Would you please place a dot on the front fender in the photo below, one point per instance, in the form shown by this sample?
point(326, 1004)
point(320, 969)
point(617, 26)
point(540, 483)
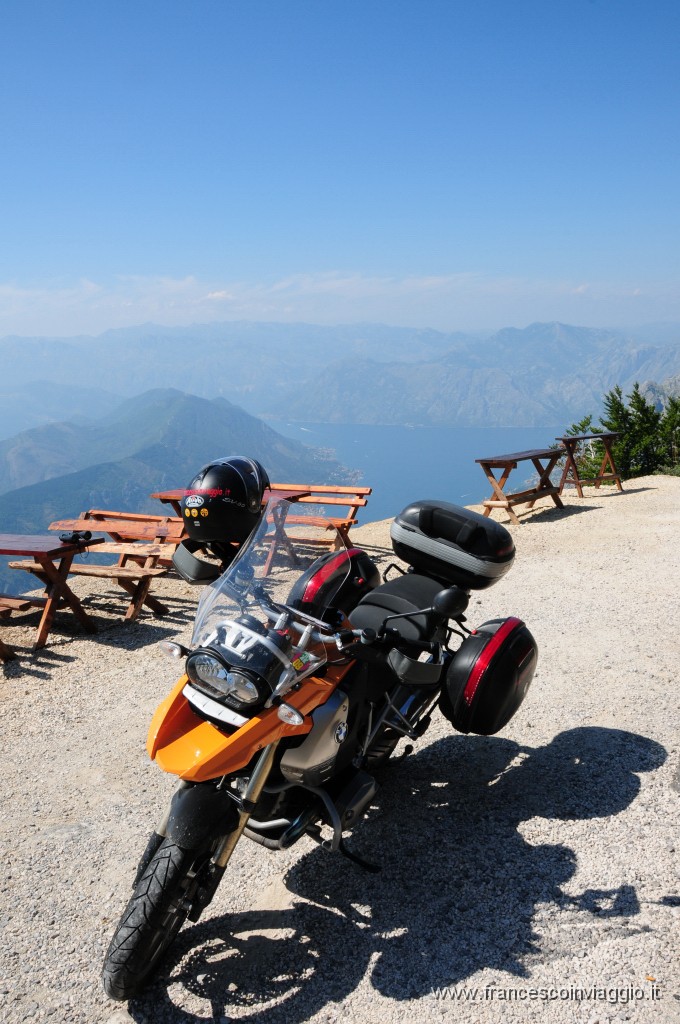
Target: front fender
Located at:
point(198, 814)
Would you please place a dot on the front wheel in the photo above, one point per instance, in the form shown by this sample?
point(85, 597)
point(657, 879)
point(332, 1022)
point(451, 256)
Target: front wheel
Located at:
point(159, 906)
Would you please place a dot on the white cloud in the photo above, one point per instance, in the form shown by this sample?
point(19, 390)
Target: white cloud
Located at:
point(448, 302)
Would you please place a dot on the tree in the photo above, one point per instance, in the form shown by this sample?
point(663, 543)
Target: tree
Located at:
point(648, 439)
point(644, 435)
point(670, 432)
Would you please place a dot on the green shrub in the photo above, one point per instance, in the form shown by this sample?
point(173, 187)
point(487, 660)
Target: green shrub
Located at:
point(648, 442)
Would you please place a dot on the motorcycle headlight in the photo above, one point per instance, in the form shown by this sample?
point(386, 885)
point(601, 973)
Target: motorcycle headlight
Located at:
point(221, 682)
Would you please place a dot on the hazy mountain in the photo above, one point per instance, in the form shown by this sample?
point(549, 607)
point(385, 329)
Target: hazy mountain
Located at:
point(656, 334)
point(253, 364)
point(543, 375)
point(37, 402)
point(672, 386)
point(156, 441)
point(368, 373)
point(659, 394)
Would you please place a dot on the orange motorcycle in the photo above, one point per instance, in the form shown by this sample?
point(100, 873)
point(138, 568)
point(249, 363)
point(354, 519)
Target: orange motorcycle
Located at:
point(303, 675)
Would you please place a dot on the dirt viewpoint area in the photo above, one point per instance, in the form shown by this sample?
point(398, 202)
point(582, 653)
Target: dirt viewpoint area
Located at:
point(532, 875)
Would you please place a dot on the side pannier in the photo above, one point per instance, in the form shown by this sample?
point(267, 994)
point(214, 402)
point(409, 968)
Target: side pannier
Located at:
point(489, 676)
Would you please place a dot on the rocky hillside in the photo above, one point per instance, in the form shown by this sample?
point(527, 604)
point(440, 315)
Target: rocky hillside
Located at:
point(158, 440)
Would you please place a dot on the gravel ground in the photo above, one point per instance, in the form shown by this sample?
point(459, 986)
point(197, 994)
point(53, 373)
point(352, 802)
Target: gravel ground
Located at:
point(534, 873)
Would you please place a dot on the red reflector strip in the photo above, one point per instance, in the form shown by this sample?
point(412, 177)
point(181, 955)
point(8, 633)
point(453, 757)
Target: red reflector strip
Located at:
point(484, 659)
point(326, 571)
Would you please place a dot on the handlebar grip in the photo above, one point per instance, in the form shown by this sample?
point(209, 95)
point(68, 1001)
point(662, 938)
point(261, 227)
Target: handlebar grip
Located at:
point(347, 637)
point(344, 637)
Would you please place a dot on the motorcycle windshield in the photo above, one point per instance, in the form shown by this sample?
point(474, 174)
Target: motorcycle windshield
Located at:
point(282, 563)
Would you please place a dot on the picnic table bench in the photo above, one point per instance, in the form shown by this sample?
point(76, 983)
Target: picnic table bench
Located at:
point(168, 530)
point(143, 543)
point(337, 506)
point(544, 461)
point(326, 499)
point(571, 474)
point(7, 606)
point(317, 497)
point(51, 562)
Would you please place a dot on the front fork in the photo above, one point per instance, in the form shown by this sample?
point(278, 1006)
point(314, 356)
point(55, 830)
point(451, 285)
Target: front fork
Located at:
point(256, 784)
point(199, 898)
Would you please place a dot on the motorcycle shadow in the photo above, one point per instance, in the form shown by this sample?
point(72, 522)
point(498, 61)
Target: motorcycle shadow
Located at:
point(458, 891)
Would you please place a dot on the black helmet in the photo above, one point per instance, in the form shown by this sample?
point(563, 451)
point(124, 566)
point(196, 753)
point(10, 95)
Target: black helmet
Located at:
point(223, 502)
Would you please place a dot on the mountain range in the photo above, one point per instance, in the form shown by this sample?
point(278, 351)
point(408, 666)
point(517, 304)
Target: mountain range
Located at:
point(156, 441)
point(539, 376)
point(71, 444)
point(364, 373)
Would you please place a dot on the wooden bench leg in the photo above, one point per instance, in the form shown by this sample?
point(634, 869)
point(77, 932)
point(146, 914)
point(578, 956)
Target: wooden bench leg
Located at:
point(140, 595)
point(511, 512)
point(279, 540)
point(497, 490)
point(58, 593)
point(6, 653)
point(140, 591)
point(544, 484)
point(337, 544)
point(570, 473)
point(608, 460)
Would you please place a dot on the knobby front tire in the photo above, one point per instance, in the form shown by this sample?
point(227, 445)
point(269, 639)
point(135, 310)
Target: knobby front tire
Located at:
point(156, 912)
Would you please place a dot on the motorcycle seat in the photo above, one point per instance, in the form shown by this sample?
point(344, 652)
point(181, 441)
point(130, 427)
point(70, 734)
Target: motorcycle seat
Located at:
point(404, 595)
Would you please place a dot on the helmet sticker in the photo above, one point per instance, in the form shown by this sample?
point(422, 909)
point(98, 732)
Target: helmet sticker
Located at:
point(194, 501)
point(210, 492)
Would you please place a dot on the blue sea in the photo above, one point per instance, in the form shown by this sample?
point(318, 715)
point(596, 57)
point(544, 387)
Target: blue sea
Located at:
point(404, 464)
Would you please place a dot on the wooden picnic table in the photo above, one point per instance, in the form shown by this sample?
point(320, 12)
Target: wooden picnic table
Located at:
point(544, 461)
point(338, 505)
point(174, 495)
point(140, 543)
point(119, 530)
point(52, 563)
point(570, 473)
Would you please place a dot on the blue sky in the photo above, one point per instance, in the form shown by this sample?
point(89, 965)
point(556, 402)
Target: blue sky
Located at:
point(437, 163)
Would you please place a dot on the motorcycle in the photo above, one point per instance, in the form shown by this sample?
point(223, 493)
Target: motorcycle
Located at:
point(303, 675)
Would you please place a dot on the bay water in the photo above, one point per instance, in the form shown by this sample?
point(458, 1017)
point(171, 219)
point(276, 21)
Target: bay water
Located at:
point(405, 464)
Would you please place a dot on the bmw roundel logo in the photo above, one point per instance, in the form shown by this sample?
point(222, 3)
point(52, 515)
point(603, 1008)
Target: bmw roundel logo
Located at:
point(341, 732)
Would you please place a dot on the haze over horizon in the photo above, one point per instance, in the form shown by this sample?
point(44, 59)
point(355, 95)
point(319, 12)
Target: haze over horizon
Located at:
point(442, 165)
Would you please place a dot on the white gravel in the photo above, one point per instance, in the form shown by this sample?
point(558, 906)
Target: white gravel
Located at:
point(536, 870)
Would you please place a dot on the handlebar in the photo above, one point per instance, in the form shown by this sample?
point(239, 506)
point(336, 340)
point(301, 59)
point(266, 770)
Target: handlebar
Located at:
point(347, 640)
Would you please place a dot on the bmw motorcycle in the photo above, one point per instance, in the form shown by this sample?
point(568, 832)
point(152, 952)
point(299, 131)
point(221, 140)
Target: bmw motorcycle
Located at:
point(303, 675)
